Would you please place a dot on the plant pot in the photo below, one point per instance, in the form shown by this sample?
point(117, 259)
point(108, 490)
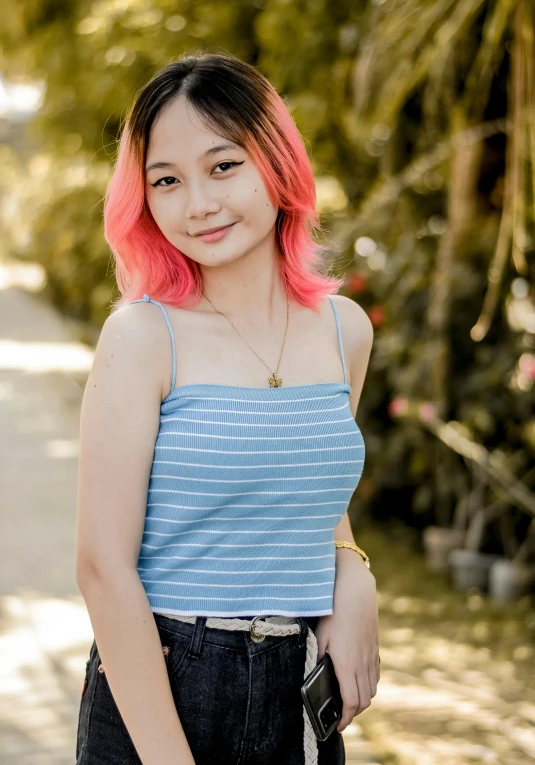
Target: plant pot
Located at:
point(509, 580)
point(438, 543)
point(470, 569)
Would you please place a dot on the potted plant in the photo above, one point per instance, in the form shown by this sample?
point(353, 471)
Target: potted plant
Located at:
point(438, 542)
point(510, 578)
point(468, 566)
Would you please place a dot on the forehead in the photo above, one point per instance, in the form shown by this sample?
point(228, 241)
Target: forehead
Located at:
point(180, 130)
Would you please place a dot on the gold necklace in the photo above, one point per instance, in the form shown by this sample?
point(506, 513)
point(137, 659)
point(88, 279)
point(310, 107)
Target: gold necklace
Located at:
point(274, 381)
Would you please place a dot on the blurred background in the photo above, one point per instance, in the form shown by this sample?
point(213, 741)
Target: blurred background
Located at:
point(419, 117)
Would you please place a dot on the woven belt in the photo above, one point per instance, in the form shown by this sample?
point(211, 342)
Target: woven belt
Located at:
point(273, 626)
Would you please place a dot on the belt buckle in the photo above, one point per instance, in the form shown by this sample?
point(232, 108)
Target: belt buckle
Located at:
point(256, 636)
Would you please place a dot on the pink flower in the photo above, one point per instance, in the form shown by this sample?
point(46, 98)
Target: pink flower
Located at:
point(356, 283)
point(427, 411)
point(398, 406)
point(526, 365)
point(377, 315)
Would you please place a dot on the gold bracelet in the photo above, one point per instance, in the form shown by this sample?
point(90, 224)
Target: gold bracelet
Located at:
point(356, 548)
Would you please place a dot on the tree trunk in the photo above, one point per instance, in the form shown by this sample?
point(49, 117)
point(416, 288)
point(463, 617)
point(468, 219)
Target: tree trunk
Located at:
point(461, 210)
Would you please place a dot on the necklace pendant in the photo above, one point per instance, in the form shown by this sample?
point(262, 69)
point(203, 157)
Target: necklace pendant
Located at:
point(275, 382)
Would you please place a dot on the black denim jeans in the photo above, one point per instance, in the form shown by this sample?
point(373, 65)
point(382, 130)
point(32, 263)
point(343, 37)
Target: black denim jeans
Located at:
point(239, 702)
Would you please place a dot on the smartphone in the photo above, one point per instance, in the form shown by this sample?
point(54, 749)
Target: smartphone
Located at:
point(322, 698)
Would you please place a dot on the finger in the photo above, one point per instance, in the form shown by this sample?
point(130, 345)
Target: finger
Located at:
point(372, 679)
point(365, 698)
point(350, 698)
point(321, 651)
point(354, 704)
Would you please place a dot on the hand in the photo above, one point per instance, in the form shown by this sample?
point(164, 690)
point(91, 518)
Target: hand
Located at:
point(350, 635)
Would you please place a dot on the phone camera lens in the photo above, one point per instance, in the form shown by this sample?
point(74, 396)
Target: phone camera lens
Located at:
point(329, 714)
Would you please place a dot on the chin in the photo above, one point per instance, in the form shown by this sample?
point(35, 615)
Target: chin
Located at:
point(224, 260)
point(215, 258)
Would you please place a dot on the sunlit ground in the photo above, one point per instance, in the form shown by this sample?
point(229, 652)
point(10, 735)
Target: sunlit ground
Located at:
point(43, 354)
point(45, 631)
point(457, 671)
point(44, 643)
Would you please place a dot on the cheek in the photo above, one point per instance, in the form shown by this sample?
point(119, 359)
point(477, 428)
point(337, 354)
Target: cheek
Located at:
point(163, 211)
point(253, 201)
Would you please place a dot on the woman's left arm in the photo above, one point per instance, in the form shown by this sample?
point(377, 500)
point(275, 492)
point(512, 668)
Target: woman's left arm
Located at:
point(351, 633)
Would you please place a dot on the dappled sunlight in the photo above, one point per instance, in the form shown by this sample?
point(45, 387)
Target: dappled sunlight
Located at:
point(449, 710)
point(45, 357)
point(27, 276)
point(38, 350)
point(44, 644)
point(412, 749)
point(457, 671)
point(62, 449)
point(38, 422)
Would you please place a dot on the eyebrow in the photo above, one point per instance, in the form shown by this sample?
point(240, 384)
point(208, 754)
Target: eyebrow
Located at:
point(207, 153)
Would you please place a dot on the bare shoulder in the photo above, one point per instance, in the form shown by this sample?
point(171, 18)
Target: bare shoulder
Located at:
point(138, 319)
point(137, 337)
point(357, 329)
point(357, 335)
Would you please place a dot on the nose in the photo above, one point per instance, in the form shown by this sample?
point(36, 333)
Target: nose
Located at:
point(200, 201)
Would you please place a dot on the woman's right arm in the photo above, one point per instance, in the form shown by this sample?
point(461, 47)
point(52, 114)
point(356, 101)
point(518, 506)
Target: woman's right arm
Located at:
point(118, 428)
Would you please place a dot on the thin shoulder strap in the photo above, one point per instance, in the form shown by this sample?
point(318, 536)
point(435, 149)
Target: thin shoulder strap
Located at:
point(147, 299)
point(338, 329)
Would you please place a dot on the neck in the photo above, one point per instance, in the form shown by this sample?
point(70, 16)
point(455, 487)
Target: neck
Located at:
point(249, 289)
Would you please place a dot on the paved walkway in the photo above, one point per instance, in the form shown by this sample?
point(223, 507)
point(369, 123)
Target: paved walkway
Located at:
point(45, 631)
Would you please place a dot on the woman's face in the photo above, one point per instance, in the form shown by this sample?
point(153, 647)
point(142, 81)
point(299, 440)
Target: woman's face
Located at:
point(199, 186)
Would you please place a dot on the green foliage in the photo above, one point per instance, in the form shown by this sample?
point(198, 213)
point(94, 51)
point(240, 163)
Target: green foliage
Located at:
point(79, 269)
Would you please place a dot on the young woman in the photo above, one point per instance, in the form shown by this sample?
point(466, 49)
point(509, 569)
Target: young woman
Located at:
point(219, 448)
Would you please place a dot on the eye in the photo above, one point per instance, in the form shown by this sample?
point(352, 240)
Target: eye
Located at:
point(230, 164)
point(172, 178)
point(167, 178)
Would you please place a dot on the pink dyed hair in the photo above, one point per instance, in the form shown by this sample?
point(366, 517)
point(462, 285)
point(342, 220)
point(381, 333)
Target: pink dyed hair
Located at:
point(235, 100)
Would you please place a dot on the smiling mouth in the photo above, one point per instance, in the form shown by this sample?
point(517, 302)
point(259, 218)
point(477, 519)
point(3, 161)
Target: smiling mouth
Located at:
point(215, 236)
point(214, 230)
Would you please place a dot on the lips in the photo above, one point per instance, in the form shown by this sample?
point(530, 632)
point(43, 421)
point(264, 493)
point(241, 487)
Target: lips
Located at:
point(213, 230)
point(216, 235)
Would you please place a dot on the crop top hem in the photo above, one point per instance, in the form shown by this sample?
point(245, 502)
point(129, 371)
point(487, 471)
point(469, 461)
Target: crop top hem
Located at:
point(236, 614)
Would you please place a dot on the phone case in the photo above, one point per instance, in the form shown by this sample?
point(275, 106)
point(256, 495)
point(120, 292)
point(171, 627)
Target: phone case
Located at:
point(322, 699)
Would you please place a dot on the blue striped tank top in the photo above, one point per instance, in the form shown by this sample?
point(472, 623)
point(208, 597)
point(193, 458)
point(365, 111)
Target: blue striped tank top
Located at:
point(246, 488)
